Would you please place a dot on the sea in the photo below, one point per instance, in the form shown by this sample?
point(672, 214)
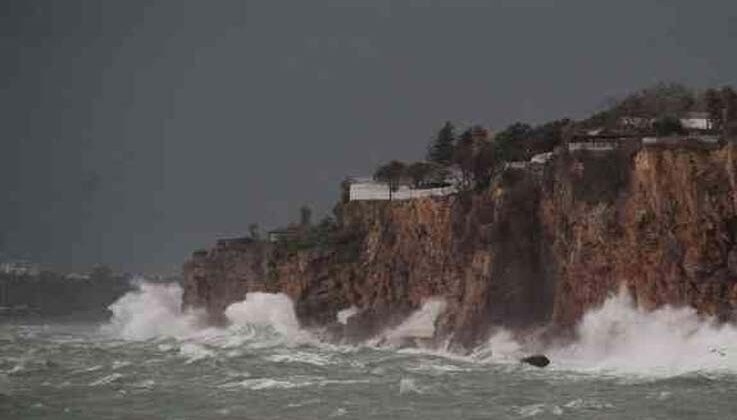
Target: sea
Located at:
point(152, 361)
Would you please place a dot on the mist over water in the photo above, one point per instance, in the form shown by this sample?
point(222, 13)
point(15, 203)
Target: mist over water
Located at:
point(151, 360)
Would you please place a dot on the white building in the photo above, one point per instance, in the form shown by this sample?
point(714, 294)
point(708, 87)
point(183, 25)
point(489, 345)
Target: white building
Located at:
point(631, 121)
point(368, 189)
point(592, 146)
point(519, 164)
point(542, 158)
point(680, 140)
point(697, 121)
point(19, 268)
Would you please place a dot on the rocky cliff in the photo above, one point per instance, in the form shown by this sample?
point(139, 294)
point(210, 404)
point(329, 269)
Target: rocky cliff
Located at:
point(536, 248)
point(665, 228)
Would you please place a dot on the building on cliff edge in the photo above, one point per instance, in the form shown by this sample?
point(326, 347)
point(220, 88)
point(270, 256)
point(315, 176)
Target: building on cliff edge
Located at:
point(368, 189)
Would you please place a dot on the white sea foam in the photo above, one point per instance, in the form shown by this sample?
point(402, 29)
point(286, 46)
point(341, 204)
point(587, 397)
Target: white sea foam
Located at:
point(105, 380)
point(409, 386)
point(154, 311)
point(533, 410)
point(294, 356)
point(421, 324)
point(273, 310)
point(500, 348)
point(619, 337)
point(194, 352)
point(268, 383)
point(151, 311)
point(344, 314)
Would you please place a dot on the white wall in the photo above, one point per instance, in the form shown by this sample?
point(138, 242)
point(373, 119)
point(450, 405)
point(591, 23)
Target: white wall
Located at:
point(592, 146)
point(696, 123)
point(380, 191)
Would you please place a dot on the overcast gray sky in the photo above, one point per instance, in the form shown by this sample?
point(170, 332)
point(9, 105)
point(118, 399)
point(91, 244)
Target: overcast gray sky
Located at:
point(136, 131)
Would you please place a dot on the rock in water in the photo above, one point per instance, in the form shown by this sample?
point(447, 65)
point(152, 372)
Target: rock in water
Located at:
point(537, 360)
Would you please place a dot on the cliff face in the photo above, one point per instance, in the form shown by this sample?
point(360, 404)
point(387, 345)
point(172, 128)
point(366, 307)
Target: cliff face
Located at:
point(536, 248)
point(668, 234)
point(215, 278)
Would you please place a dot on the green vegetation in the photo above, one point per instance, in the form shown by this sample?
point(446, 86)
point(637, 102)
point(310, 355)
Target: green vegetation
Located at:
point(721, 105)
point(324, 236)
point(474, 157)
point(640, 111)
point(393, 173)
point(441, 148)
point(668, 125)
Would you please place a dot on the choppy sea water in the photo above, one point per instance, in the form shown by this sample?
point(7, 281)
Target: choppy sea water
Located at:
point(152, 362)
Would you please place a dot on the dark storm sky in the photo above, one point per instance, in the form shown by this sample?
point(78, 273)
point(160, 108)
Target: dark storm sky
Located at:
point(133, 132)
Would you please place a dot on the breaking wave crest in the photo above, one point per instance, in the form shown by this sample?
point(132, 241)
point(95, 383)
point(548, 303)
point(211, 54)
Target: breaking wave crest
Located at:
point(620, 337)
point(155, 311)
point(151, 311)
point(617, 337)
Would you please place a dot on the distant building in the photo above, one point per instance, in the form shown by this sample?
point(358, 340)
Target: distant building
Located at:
point(697, 121)
point(284, 234)
point(541, 158)
point(243, 240)
point(593, 146)
point(635, 122)
point(20, 268)
point(703, 140)
point(517, 165)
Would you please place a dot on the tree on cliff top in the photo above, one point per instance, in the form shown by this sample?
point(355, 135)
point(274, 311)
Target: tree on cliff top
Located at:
point(729, 101)
point(254, 231)
point(639, 108)
point(714, 107)
point(512, 143)
point(441, 147)
point(668, 125)
point(424, 174)
point(463, 157)
point(485, 164)
point(392, 173)
point(305, 216)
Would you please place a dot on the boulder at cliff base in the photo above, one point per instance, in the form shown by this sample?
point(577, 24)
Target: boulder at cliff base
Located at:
point(537, 360)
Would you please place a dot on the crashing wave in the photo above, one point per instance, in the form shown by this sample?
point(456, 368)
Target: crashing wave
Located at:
point(620, 337)
point(151, 311)
point(154, 311)
point(617, 337)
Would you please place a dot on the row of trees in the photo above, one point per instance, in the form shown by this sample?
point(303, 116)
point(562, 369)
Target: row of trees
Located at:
point(423, 174)
point(473, 156)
